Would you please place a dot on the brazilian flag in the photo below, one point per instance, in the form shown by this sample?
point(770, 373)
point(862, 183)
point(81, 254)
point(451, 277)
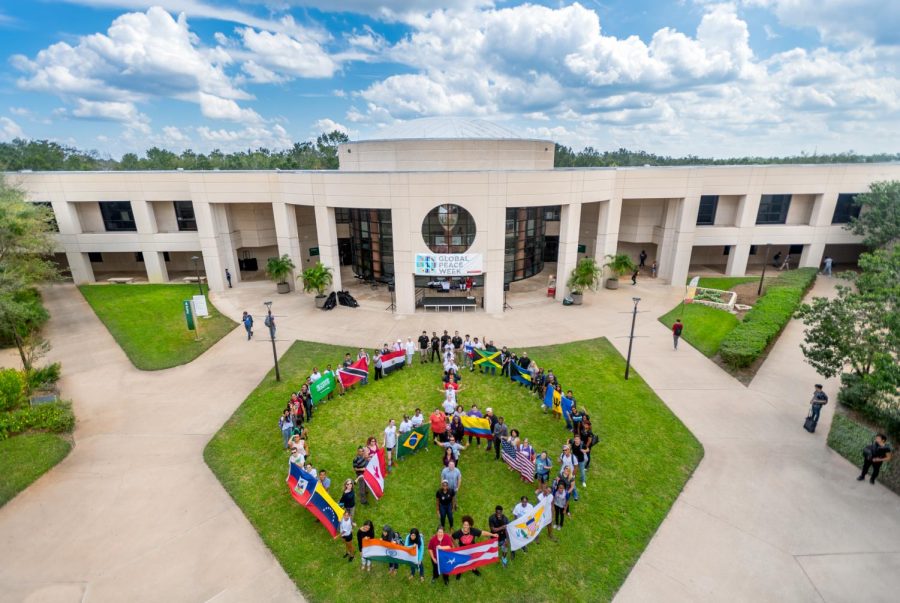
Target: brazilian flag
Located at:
point(413, 441)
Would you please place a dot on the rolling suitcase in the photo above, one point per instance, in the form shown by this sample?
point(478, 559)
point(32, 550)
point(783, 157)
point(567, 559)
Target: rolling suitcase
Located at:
point(810, 423)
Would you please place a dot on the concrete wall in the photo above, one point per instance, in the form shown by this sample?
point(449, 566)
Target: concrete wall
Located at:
point(445, 155)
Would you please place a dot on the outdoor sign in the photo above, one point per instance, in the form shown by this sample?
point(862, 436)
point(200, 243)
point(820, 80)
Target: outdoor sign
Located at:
point(691, 290)
point(313, 251)
point(582, 248)
point(200, 308)
point(448, 264)
point(189, 314)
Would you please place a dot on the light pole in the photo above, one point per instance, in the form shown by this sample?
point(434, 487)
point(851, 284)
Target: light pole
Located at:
point(763, 275)
point(196, 259)
point(631, 337)
point(270, 322)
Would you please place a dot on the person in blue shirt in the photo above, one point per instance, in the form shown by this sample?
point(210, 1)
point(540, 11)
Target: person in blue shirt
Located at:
point(415, 539)
point(248, 324)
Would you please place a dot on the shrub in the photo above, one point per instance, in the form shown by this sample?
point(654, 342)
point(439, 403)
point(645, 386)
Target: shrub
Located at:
point(57, 418)
point(12, 389)
point(43, 376)
point(763, 323)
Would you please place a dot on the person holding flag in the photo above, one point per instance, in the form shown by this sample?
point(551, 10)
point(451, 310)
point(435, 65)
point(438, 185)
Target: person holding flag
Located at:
point(440, 541)
point(468, 556)
point(414, 540)
point(497, 524)
point(346, 534)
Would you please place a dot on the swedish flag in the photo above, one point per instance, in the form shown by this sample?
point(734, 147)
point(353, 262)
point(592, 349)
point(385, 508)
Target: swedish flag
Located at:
point(413, 441)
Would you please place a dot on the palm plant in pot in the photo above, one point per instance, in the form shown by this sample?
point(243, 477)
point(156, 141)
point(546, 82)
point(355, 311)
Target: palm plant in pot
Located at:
point(317, 278)
point(620, 265)
point(278, 270)
point(585, 275)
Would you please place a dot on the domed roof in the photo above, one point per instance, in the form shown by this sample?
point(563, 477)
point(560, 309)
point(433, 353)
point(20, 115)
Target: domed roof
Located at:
point(445, 128)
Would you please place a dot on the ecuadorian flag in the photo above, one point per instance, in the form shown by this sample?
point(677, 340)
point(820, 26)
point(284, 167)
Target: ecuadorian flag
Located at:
point(478, 427)
point(309, 492)
point(517, 373)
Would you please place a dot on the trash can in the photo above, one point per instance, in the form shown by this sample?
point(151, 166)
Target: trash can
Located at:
point(551, 291)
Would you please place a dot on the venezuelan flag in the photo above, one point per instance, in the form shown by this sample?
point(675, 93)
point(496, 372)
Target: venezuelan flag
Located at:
point(478, 427)
point(309, 492)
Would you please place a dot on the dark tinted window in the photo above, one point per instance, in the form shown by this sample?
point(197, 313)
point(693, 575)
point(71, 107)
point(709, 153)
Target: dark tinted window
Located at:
point(342, 215)
point(845, 209)
point(551, 214)
point(773, 209)
point(795, 250)
point(138, 256)
point(95, 257)
point(525, 241)
point(706, 216)
point(372, 244)
point(448, 228)
point(117, 216)
point(184, 215)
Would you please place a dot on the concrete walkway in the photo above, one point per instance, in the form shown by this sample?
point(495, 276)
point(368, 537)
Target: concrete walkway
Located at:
point(133, 513)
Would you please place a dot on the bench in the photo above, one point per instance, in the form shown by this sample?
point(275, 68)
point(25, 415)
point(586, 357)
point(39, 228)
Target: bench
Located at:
point(121, 280)
point(451, 303)
point(193, 279)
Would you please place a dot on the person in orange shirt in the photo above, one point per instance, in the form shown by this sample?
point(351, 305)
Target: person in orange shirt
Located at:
point(438, 425)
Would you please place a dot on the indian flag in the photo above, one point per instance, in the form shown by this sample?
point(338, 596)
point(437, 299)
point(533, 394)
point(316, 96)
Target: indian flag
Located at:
point(375, 549)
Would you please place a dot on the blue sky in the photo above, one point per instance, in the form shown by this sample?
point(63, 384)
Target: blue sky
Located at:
point(768, 77)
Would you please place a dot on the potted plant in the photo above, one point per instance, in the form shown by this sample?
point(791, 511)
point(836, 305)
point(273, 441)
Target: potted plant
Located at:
point(585, 275)
point(278, 270)
point(620, 265)
point(317, 278)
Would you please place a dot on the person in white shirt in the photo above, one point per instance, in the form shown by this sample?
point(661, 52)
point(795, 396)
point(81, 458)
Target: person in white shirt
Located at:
point(315, 376)
point(410, 350)
point(543, 493)
point(390, 442)
point(449, 403)
point(523, 508)
point(405, 425)
point(417, 419)
point(567, 459)
point(398, 346)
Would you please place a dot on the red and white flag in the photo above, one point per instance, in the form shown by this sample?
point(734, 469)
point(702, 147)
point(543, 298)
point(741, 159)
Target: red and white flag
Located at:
point(374, 474)
point(354, 373)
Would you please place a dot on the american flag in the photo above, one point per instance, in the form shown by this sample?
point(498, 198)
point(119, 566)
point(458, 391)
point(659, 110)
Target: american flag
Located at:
point(517, 460)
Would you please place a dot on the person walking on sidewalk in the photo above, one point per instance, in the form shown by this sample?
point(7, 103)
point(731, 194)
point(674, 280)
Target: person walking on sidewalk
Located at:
point(677, 328)
point(874, 455)
point(819, 399)
point(634, 276)
point(248, 324)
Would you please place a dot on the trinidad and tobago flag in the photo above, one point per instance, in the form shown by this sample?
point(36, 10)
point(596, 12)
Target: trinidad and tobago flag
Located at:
point(354, 373)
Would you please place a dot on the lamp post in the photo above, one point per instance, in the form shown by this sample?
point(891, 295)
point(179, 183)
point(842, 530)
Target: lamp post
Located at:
point(631, 337)
point(763, 275)
point(196, 259)
point(270, 322)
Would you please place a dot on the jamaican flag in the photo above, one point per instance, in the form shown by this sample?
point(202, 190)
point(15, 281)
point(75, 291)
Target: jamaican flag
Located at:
point(486, 359)
point(413, 441)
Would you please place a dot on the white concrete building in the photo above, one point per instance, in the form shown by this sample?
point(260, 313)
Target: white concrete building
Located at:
point(460, 187)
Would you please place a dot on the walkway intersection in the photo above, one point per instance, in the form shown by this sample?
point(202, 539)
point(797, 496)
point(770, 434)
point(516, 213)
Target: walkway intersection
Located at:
point(771, 514)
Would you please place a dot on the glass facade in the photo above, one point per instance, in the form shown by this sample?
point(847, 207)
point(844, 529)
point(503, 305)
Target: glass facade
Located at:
point(117, 216)
point(773, 209)
point(372, 244)
point(706, 215)
point(525, 241)
point(845, 209)
point(184, 215)
point(448, 228)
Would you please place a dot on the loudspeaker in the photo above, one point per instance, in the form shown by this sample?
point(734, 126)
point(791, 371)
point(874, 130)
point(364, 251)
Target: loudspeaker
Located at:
point(506, 286)
point(391, 287)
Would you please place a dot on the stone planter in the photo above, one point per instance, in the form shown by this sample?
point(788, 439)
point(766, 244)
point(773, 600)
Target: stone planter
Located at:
point(320, 301)
point(284, 287)
point(577, 298)
point(612, 283)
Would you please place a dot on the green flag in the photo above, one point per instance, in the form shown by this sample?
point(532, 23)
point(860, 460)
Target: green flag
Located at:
point(413, 441)
point(322, 387)
point(486, 359)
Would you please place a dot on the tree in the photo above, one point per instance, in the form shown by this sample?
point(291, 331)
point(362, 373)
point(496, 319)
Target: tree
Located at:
point(26, 244)
point(879, 218)
point(327, 146)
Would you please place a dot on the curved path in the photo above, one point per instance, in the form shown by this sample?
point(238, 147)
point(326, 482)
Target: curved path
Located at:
point(133, 513)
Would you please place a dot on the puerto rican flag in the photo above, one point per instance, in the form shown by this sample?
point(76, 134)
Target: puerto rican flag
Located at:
point(464, 558)
point(374, 474)
point(357, 371)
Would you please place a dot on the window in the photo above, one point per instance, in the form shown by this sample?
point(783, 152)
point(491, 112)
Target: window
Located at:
point(551, 214)
point(845, 209)
point(753, 250)
point(726, 250)
point(184, 215)
point(166, 256)
point(51, 217)
point(524, 249)
point(448, 229)
point(773, 209)
point(342, 215)
point(95, 257)
point(117, 216)
point(706, 216)
point(372, 244)
point(795, 250)
point(139, 256)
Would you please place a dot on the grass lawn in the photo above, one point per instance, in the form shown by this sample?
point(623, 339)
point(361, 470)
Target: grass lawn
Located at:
point(724, 283)
point(26, 457)
point(148, 322)
point(640, 466)
point(704, 327)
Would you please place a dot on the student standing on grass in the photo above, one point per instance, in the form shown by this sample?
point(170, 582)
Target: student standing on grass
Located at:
point(457, 347)
point(560, 500)
point(388, 535)
point(417, 419)
point(405, 425)
point(497, 524)
point(286, 425)
point(501, 432)
point(455, 446)
point(377, 358)
point(415, 539)
point(521, 510)
point(348, 498)
point(467, 535)
point(677, 328)
point(248, 324)
point(410, 348)
point(359, 356)
point(424, 342)
point(474, 412)
point(444, 501)
point(453, 477)
point(440, 540)
point(366, 530)
point(435, 346)
point(542, 467)
point(542, 493)
point(489, 414)
point(346, 534)
point(876, 453)
point(438, 425)
point(360, 462)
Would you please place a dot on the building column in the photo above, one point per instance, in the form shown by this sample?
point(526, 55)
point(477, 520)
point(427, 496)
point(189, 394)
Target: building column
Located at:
point(155, 264)
point(215, 244)
point(494, 265)
point(326, 233)
point(811, 256)
point(66, 215)
point(80, 267)
point(674, 252)
point(607, 241)
point(823, 209)
point(569, 228)
point(287, 237)
point(737, 260)
point(144, 218)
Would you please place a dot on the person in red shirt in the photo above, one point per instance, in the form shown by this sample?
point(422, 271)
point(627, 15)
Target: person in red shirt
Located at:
point(677, 328)
point(438, 424)
point(441, 540)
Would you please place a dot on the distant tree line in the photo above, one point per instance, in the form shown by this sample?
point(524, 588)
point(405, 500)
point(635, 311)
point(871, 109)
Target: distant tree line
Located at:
point(45, 155)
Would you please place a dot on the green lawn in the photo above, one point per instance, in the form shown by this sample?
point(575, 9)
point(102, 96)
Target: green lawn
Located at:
point(724, 283)
point(26, 457)
point(644, 459)
point(148, 322)
point(704, 327)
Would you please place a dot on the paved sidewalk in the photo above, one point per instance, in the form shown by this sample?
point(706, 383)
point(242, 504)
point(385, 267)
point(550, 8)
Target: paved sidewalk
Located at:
point(771, 514)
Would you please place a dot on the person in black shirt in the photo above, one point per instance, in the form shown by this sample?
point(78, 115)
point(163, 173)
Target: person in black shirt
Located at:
point(643, 258)
point(360, 461)
point(578, 451)
point(873, 455)
point(435, 346)
point(444, 497)
point(524, 361)
point(457, 346)
point(505, 359)
point(445, 338)
point(497, 523)
point(424, 341)
point(819, 399)
point(467, 535)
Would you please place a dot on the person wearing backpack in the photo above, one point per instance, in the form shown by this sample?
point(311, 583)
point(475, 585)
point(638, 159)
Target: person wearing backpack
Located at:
point(677, 328)
point(876, 453)
point(248, 324)
point(819, 399)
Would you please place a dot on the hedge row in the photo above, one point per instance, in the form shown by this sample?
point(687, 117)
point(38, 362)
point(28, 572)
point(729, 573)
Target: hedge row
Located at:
point(56, 417)
point(763, 323)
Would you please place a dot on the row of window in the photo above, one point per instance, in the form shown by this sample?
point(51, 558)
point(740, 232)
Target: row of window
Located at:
point(95, 257)
point(773, 209)
point(792, 250)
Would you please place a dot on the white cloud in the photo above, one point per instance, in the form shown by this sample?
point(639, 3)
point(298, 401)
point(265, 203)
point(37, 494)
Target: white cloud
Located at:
point(20, 111)
point(175, 136)
point(275, 137)
point(328, 125)
point(300, 55)
point(10, 129)
point(106, 111)
point(216, 107)
point(843, 21)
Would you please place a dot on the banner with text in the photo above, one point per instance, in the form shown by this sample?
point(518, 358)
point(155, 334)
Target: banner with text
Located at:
point(449, 264)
